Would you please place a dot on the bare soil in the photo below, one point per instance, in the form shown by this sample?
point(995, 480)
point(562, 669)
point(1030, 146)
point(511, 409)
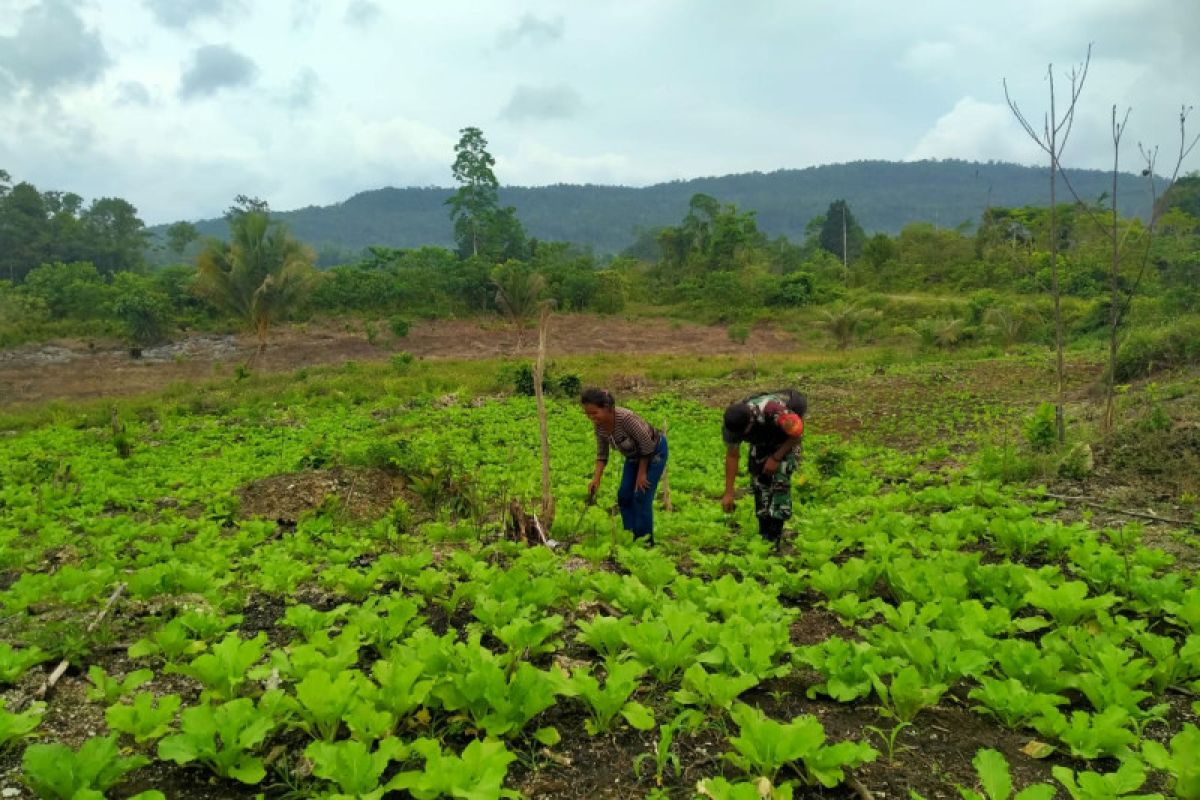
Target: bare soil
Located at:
point(79, 370)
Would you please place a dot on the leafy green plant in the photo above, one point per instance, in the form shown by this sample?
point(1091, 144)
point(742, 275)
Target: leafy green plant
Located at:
point(1106, 733)
point(605, 704)
point(711, 691)
point(764, 746)
point(1040, 430)
point(498, 702)
point(323, 699)
point(223, 670)
point(223, 738)
point(846, 667)
point(670, 641)
point(1067, 603)
point(14, 663)
point(605, 635)
point(402, 684)
point(1181, 761)
point(172, 641)
point(761, 789)
point(15, 726)
point(996, 780)
point(477, 774)
point(1128, 778)
point(662, 755)
point(1012, 702)
point(56, 772)
point(147, 717)
point(907, 695)
point(354, 766)
point(108, 690)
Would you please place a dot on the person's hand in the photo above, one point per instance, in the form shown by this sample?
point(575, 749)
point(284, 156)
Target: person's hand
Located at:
point(593, 487)
point(727, 502)
point(642, 483)
point(770, 465)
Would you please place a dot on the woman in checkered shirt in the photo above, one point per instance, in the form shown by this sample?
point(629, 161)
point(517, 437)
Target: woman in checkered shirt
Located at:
point(645, 451)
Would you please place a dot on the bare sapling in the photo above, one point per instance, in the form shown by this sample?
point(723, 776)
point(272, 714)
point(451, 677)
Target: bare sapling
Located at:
point(1052, 139)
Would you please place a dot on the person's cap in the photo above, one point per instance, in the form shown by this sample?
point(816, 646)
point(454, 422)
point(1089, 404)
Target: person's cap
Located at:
point(737, 417)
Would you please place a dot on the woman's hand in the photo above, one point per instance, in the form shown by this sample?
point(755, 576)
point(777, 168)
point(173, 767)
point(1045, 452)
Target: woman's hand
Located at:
point(642, 483)
point(593, 487)
point(770, 465)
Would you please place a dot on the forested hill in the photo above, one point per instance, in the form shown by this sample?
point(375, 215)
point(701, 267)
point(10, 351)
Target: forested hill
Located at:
point(883, 195)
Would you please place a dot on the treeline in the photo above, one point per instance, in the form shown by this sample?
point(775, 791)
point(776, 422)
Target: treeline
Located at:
point(886, 196)
point(75, 269)
point(39, 227)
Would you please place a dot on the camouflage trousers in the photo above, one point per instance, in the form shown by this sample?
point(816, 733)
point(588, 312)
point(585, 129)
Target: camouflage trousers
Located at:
point(772, 493)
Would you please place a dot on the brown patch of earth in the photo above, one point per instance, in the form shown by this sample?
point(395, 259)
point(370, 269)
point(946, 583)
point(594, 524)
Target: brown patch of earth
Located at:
point(361, 493)
point(82, 370)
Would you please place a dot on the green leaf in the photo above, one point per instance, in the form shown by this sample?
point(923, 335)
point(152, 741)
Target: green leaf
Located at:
point(548, 736)
point(638, 716)
point(993, 774)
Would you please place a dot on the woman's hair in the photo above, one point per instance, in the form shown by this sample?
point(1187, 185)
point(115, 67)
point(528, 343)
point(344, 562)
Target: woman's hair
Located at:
point(601, 398)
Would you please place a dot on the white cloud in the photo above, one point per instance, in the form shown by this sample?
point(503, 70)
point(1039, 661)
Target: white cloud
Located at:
point(976, 131)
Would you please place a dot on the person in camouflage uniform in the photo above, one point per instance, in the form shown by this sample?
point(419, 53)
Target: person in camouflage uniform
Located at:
point(773, 425)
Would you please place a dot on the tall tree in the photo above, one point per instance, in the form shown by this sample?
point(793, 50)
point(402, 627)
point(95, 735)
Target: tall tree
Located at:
point(481, 226)
point(117, 237)
point(841, 234)
point(180, 235)
point(260, 276)
point(24, 231)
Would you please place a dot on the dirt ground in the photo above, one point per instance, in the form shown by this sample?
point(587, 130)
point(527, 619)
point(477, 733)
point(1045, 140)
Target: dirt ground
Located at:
point(79, 370)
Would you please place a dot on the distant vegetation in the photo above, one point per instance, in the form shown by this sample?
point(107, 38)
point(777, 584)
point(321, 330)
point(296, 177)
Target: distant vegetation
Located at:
point(885, 195)
point(73, 270)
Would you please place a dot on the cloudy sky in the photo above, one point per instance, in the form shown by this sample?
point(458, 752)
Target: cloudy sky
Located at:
point(178, 105)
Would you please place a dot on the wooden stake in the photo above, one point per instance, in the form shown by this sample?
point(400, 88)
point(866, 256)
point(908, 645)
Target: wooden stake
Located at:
point(58, 672)
point(539, 371)
point(666, 477)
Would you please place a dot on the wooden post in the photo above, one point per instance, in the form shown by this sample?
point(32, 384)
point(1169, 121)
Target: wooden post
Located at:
point(539, 371)
point(666, 477)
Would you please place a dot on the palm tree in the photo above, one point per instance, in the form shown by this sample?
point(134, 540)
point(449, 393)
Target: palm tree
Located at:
point(259, 276)
point(518, 290)
point(844, 321)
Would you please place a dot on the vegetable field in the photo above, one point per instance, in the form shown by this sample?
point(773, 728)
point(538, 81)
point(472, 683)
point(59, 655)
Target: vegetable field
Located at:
point(924, 632)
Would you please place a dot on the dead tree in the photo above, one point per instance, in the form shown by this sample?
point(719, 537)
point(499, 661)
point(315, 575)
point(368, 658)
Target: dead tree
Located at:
point(1119, 303)
point(1052, 140)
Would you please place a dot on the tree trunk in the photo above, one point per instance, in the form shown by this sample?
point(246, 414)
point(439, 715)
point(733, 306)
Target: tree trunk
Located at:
point(1114, 311)
point(1059, 423)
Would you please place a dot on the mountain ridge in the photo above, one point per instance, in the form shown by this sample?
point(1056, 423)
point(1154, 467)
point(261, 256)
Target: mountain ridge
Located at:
point(883, 195)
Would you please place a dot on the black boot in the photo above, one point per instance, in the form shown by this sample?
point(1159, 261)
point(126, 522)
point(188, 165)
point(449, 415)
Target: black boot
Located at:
point(771, 529)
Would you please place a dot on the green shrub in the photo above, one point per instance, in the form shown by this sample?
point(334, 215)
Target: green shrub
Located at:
point(793, 289)
point(144, 311)
point(520, 377)
point(1149, 350)
point(1040, 429)
point(399, 327)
